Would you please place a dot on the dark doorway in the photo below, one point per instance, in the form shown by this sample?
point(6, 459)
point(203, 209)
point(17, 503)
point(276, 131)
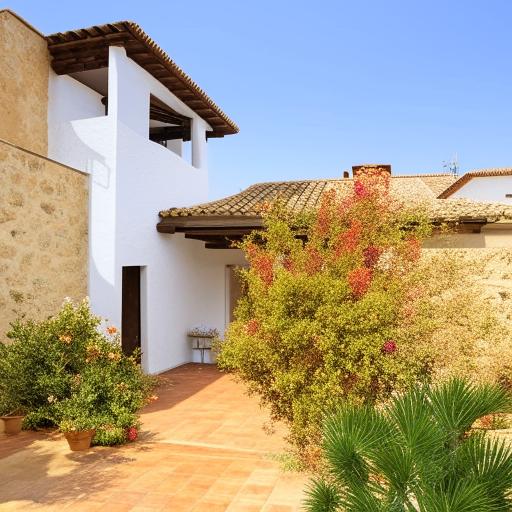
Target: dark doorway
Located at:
point(130, 329)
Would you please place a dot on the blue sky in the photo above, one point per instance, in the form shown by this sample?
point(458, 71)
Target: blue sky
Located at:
point(317, 87)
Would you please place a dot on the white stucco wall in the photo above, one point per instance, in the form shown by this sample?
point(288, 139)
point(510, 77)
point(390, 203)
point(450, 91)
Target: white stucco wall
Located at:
point(486, 189)
point(132, 178)
point(70, 102)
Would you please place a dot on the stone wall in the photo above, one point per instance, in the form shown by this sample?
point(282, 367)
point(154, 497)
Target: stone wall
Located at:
point(43, 235)
point(491, 268)
point(24, 65)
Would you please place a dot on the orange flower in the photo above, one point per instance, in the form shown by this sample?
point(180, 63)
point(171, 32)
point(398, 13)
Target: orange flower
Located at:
point(114, 356)
point(112, 329)
point(65, 338)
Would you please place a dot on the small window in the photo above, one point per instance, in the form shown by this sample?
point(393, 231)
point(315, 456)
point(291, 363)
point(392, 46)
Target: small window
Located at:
point(508, 195)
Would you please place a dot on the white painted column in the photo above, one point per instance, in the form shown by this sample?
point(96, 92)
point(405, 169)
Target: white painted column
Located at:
point(199, 160)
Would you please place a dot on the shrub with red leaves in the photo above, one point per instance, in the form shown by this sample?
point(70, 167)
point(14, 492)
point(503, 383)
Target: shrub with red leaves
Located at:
point(325, 295)
point(359, 281)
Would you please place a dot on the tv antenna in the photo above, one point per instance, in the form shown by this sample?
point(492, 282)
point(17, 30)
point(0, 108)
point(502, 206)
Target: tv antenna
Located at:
point(452, 166)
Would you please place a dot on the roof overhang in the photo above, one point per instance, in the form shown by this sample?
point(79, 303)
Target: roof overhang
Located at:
point(87, 49)
point(218, 232)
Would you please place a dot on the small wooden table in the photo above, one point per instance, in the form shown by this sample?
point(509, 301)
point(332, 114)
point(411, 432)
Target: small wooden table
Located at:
point(201, 343)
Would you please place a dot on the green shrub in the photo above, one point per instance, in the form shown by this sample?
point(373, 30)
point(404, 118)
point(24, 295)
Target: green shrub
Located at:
point(416, 454)
point(326, 301)
point(67, 371)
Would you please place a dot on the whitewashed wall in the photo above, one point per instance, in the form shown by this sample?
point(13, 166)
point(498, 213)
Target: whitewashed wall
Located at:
point(487, 188)
point(132, 179)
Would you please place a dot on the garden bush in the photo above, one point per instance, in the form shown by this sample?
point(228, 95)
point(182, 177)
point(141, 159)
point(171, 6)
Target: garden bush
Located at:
point(418, 453)
point(67, 371)
point(327, 298)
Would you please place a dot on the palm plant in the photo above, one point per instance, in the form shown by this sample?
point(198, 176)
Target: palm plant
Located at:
point(418, 453)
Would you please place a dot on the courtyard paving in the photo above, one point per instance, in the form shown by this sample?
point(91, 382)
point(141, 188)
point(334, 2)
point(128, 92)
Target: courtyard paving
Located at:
point(203, 447)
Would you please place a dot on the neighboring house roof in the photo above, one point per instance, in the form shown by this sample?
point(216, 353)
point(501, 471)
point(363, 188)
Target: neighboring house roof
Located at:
point(500, 171)
point(87, 48)
point(232, 217)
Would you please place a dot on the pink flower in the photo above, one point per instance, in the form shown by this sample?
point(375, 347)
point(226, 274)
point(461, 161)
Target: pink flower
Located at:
point(389, 347)
point(359, 281)
point(132, 433)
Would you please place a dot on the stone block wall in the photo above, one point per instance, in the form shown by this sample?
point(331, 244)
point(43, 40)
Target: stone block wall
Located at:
point(43, 235)
point(24, 64)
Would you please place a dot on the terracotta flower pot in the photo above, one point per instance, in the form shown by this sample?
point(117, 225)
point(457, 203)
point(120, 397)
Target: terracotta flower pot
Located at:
point(12, 424)
point(79, 441)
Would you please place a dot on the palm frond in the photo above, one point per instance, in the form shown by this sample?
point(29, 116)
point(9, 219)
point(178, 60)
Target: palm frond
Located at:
point(461, 496)
point(457, 404)
point(359, 498)
point(321, 497)
point(395, 464)
point(350, 433)
point(419, 432)
point(488, 461)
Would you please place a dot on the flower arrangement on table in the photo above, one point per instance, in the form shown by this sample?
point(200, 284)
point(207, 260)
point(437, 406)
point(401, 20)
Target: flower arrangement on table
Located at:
point(202, 337)
point(201, 331)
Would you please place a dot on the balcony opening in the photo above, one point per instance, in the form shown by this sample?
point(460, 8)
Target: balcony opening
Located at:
point(170, 128)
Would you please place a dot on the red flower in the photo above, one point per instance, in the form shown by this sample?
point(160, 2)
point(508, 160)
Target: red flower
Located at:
point(132, 433)
point(389, 347)
point(359, 281)
point(371, 256)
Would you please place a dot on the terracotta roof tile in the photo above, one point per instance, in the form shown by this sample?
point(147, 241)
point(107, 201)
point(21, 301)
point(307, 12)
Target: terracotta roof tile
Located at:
point(301, 196)
point(305, 195)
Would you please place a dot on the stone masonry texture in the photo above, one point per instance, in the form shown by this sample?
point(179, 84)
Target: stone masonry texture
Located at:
point(43, 235)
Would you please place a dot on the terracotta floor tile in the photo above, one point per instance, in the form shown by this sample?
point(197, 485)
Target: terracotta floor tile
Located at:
point(129, 497)
point(202, 447)
point(118, 507)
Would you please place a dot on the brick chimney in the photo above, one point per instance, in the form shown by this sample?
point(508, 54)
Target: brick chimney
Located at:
point(371, 169)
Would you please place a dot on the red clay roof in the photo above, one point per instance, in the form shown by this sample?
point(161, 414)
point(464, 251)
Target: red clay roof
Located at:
point(305, 195)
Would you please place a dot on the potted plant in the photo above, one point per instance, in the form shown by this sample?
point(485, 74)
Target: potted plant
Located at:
point(77, 422)
point(12, 414)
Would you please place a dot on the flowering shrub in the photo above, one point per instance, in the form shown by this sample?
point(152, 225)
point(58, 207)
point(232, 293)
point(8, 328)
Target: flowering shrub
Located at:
point(327, 299)
point(66, 371)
